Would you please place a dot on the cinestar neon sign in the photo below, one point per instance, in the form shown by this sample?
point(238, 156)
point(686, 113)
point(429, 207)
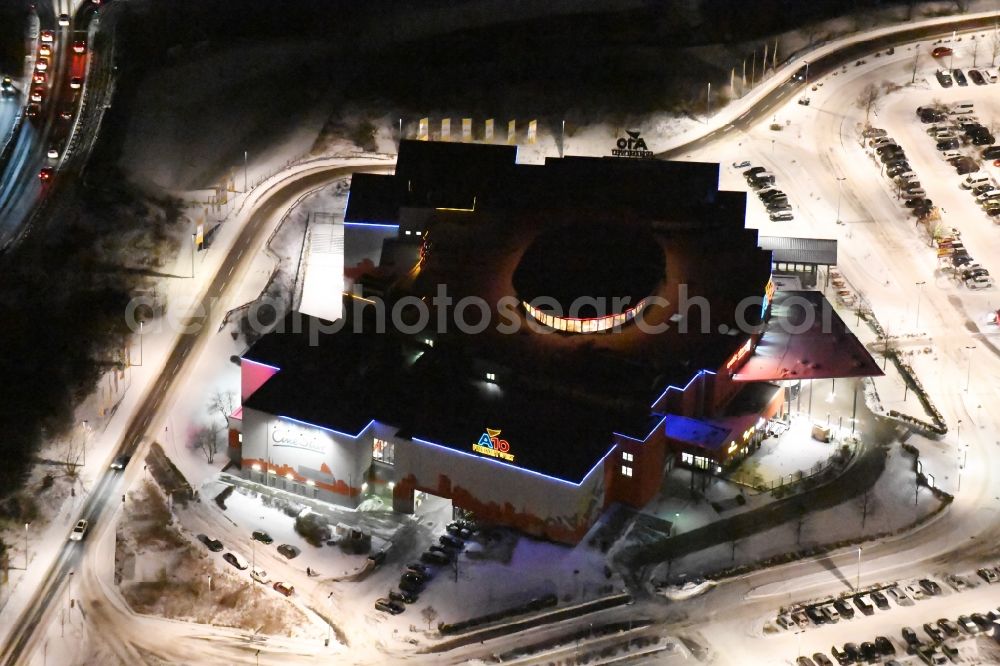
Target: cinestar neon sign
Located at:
point(490, 444)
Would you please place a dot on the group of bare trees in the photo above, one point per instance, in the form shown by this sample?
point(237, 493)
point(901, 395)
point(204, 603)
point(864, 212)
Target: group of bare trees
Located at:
point(207, 438)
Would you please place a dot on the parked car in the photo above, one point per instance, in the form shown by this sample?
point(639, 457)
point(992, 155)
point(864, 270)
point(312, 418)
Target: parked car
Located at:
point(79, 530)
point(288, 551)
point(403, 596)
point(816, 614)
point(991, 153)
point(983, 622)
point(842, 657)
point(416, 576)
point(871, 132)
point(977, 77)
point(832, 616)
point(941, 51)
point(869, 652)
point(979, 282)
point(389, 606)
point(967, 625)
point(947, 144)
point(284, 588)
point(948, 627)
point(959, 77)
point(236, 561)
point(880, 601)
point(740, 165)
point(844, 609)
point(449, 541)
point(944, 78)
point(752, 171)
point(435, 558)
point(213, 545)
point(259, 575)
point(821, 659)
point(863, 606)
point(911, 638)
point(419, 568)
point(804, 661)
point(884, 646)
point(263, 537)
point(934, 632)
point(410, 586)
point(782, 217)
point(413, 577)
point(916, 591)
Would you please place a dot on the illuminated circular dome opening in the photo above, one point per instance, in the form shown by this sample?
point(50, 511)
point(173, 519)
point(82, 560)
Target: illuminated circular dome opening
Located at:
point(589, 277)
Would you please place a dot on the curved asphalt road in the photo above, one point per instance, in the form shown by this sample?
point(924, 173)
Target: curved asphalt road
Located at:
point(106, 490)
point(822, 66)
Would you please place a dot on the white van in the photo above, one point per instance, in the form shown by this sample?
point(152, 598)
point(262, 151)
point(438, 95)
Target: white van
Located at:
point(975, 180)
point(960, 108)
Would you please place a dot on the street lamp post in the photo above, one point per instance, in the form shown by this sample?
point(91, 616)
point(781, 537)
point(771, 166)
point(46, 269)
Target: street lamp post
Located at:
point(26, 546)
point(916, 53)
point(193, 237)
point(858, 587)
point(329, 623)
point(840, 191)
point(244, 172)
point(968, 372)
point(140, 342)
point(86, 429)
point(920, 292)
point(69, 591)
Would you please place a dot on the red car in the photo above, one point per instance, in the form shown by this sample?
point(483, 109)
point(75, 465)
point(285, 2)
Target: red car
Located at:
point(46, 173)
point(941, 51)
point(79, 46)
point(284, 589)
point(33, 110)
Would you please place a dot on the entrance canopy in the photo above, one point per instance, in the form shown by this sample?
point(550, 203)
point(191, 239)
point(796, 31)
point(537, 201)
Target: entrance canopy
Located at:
point(806, 339)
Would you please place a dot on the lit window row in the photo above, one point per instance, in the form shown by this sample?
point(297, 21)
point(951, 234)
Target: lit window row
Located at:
point(592, 325)
point(626, 470)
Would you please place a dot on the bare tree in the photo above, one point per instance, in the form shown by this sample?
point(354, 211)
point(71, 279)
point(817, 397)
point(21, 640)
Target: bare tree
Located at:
point(207, 439)
point(800, 521)
point(222, 403)
point(865, 503)
point(429, 614)
point(866, 100)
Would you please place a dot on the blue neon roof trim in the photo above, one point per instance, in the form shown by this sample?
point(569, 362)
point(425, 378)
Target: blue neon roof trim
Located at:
point(686, 387)
point(371, 224)
point(266, 365)
point(515, 467)
point(643, 440)
point(313, 425)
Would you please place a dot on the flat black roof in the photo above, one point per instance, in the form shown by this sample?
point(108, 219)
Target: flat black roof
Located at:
point(483, 176)
point(349, 378)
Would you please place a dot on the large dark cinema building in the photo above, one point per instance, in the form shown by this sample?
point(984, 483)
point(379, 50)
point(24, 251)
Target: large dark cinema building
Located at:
point(618, 319)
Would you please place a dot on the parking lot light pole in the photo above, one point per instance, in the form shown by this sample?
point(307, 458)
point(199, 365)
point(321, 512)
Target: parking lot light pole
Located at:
point(920, 291)
point(26, 546)
point(858, 587)
point(968, 373)
point(916, 53)
point(840, 191)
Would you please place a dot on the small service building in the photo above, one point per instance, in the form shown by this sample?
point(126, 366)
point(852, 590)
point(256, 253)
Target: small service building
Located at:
point(534, 343)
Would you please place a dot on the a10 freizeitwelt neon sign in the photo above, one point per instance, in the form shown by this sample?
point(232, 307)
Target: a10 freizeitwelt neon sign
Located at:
point(490, 444)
